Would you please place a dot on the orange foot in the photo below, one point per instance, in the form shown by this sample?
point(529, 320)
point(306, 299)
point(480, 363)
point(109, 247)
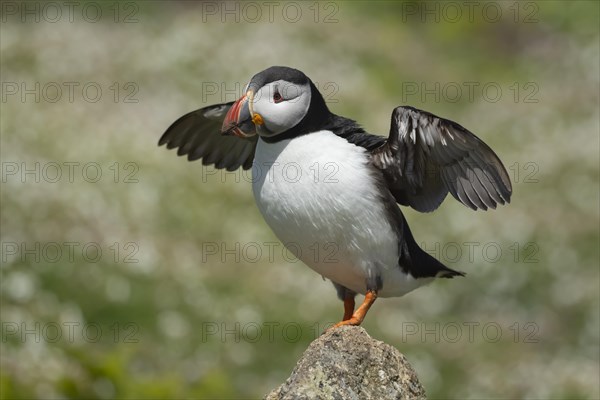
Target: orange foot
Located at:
point(358, 316)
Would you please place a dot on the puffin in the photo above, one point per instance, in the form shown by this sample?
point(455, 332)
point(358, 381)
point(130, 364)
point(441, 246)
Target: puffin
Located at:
point(330, 191)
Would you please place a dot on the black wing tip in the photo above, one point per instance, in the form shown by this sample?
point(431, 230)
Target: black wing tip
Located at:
point(165, 136)
point(504, 200)
point(163, 139)
point(490, 207)
point(193, 157)
point(450, 273)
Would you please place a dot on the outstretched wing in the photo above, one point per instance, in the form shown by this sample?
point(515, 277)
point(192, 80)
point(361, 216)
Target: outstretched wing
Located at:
point(426, 156)
point(197, 134)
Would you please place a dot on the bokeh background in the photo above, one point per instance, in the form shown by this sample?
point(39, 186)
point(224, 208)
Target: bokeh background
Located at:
point(128, 272)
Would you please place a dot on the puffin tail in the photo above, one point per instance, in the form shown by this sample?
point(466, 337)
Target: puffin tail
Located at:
point(423, 263)
point(449, 273)
point(430, 265)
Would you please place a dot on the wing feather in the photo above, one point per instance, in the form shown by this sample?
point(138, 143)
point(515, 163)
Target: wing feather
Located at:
point(426, 156)
point(197, 135)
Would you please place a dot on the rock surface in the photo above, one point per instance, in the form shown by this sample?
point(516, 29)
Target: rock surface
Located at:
point(346, 363)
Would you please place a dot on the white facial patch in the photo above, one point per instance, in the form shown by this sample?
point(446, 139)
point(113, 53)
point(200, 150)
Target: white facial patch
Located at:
point(282, 105)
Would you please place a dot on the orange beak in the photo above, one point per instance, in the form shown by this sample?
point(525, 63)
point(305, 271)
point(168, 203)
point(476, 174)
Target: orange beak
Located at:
point(238, 120)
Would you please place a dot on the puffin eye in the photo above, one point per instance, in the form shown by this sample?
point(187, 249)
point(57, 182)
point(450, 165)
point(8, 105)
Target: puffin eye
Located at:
point(277, 98)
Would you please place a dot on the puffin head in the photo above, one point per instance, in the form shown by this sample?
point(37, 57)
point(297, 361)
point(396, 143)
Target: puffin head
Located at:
point(277, 102)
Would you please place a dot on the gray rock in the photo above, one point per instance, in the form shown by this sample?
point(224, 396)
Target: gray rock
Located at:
point(346, 363)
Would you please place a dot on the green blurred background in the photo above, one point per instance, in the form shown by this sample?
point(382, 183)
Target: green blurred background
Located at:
point(189, 296)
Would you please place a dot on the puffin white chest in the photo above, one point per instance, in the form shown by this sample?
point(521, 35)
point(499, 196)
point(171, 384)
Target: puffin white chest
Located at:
point(320, 198)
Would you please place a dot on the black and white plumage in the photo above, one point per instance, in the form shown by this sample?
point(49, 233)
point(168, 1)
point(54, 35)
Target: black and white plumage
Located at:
point(330, 191)
point(196, 135)
point(425, 157)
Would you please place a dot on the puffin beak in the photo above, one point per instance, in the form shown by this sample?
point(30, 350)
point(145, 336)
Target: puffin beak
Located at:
point(238, 120)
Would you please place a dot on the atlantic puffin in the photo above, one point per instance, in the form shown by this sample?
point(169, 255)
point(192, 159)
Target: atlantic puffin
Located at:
point(330, 191)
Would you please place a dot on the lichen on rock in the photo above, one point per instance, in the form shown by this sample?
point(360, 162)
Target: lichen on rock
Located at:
point(346, 363)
